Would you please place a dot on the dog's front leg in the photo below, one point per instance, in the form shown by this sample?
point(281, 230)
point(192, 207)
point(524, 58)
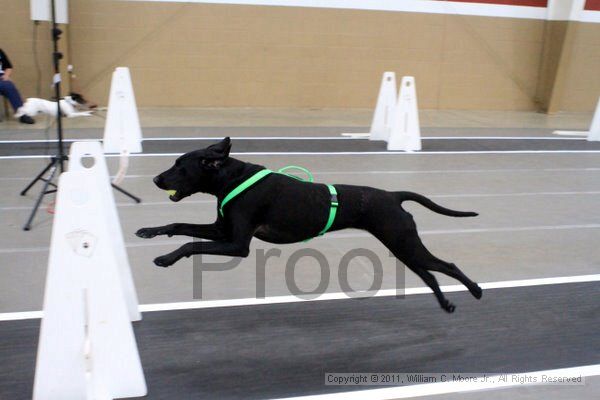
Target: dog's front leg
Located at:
point(192, 248)
point(201, 231)
point(237, 244)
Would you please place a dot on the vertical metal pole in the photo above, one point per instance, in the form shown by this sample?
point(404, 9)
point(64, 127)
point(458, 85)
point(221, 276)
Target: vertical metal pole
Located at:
point(57, 161)
point(57, 56)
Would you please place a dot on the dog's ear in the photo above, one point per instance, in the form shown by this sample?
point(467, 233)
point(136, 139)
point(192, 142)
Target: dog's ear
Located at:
point(216, 154)
point(211, 163)
point(78, 98)
point(221, 149)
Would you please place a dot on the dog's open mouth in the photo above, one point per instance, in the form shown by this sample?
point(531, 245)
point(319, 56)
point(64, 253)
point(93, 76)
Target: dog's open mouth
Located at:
point(174, 195)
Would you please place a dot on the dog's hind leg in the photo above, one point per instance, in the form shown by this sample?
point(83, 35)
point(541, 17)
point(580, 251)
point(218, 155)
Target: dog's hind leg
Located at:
point(399, 235)
point(450, 269)
point(429, 262)
point(430, 280)
point(398, 232)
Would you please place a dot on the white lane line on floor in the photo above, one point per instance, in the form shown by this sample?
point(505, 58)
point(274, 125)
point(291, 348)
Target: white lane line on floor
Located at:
point(341, 153)
point(200, 138)
point(368, 153)
point(499, 138)
point(192, 305)
point(130, 245)
point(23, 157)
point(521, 194)
point(142, 204)
point(381, 293)
point(433, 196)
point(361, 234)
point(17, 316)
point(392, 172)
point(339, 235)
point(571, 133)
point(356, 135)
point(183, 138)
point(431, 389)
point(449, 171)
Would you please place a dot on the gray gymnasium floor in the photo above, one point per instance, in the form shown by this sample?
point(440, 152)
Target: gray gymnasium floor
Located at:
point(536, 198)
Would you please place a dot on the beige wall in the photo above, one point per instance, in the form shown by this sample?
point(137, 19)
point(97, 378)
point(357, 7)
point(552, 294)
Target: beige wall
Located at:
point(185, 54)
point(578, 80)
point(552, 51)
point(17, 34)
point(228, 55)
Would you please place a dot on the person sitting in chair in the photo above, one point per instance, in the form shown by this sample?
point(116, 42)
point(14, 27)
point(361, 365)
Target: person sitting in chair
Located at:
point(8, 88)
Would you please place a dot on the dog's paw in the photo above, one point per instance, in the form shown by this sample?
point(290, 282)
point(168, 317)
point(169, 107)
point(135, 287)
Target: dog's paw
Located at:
point(148, 233)
point(448, 307)
point(165, 261)
point(477, 292)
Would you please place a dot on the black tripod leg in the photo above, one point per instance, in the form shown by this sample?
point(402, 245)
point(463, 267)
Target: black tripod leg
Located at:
point(53, 165)
point(126, 193)
point(37, 178)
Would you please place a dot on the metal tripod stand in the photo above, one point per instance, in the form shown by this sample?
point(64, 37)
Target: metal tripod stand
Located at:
point(57, 162)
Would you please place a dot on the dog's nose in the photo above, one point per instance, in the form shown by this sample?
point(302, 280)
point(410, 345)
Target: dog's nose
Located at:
point(157, 180)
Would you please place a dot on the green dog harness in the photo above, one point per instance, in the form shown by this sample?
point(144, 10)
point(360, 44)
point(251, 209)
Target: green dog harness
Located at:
point(242, 187)
point(332, 209)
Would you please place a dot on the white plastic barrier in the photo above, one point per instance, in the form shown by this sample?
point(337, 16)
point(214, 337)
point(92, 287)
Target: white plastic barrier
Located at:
point(406, 131)
point(122, 131)
point(89, 150)
point(87, 349)
point(593, 135)
point(385, 108)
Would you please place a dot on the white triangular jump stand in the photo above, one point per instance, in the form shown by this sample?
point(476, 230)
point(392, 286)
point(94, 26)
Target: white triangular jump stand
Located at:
point(87, 349)
point(384, 110)
point(122, 130)
point(406, 131)
point(593, 135)
point(87, 150)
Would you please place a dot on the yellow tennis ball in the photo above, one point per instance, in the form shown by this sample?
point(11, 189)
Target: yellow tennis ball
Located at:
point(171, 192)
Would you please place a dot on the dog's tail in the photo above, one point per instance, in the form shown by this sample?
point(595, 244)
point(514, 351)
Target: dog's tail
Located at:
point(425, 202)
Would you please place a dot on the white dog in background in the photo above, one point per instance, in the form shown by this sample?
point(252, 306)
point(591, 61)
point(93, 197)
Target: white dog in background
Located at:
point(68, 107)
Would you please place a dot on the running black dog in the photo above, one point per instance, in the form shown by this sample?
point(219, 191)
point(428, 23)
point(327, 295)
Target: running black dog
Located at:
point(281, 209)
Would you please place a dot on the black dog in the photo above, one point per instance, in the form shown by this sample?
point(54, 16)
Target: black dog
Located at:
point(281, 209)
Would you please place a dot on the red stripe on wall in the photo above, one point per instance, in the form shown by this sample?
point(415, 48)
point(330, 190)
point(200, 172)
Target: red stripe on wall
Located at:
point(592, 5)
point(529, 3)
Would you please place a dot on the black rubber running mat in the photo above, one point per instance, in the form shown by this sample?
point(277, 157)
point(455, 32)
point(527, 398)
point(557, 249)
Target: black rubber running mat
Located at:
point(282, 350)
point(250, 145)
